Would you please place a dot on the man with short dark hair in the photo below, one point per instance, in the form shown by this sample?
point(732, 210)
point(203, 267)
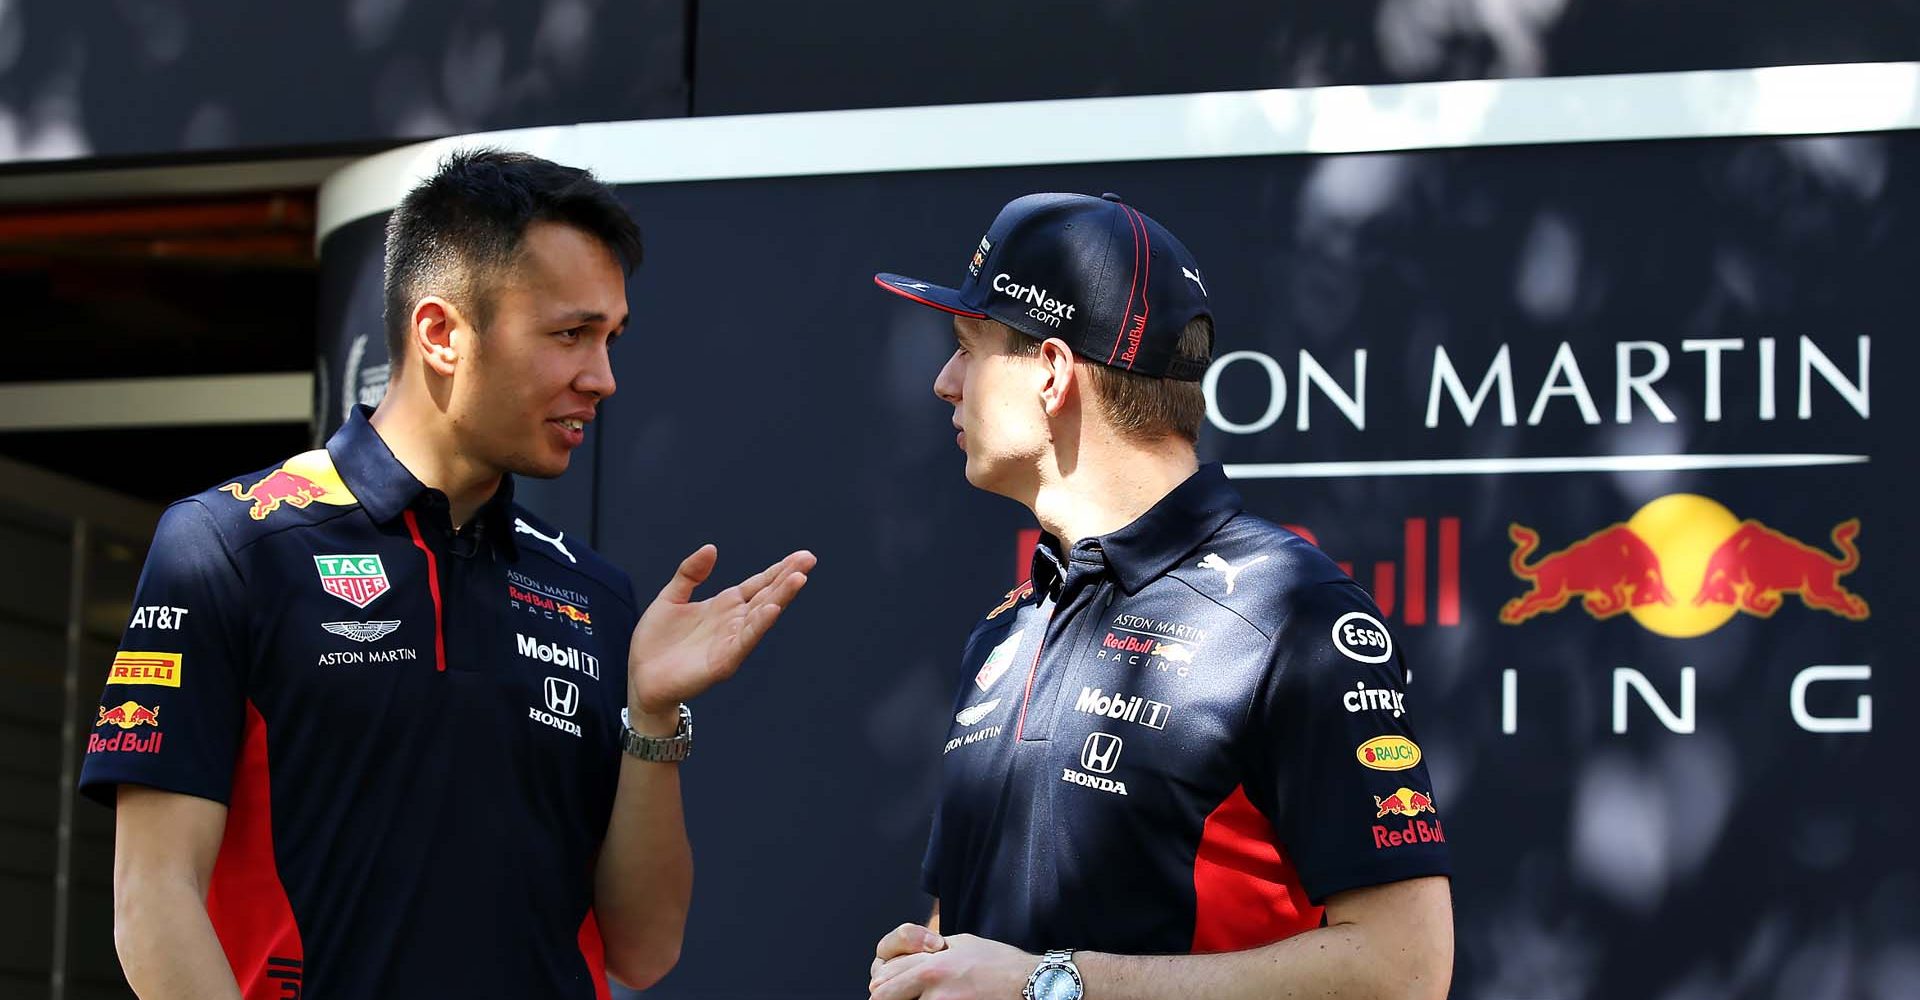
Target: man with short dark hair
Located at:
point(1179, 763)
point(365, 732)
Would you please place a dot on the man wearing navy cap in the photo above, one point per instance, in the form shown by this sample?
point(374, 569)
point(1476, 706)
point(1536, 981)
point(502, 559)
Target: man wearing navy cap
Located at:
point(376, 730)
point(1158, 781)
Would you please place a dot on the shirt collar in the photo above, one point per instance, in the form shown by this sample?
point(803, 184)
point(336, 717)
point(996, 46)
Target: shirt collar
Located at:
point(385, 488)
point(1170, 530)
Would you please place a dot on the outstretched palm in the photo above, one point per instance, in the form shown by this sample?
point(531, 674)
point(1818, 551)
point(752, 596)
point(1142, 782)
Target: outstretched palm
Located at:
point(683, 647)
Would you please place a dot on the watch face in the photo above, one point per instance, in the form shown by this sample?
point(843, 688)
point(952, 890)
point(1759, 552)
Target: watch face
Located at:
point(1055, 984)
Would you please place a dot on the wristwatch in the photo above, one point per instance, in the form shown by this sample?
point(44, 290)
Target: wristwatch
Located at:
point(1057, 978)
point(659, 749)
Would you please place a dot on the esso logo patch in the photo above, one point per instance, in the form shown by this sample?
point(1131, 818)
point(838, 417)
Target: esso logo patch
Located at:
point(1362, 637)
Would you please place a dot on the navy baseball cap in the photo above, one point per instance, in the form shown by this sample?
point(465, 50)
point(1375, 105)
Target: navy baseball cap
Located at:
point(1094, 272)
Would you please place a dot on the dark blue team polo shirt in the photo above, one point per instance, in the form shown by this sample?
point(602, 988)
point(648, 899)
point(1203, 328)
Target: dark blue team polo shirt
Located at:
point(415, 729)
point(1181, 737)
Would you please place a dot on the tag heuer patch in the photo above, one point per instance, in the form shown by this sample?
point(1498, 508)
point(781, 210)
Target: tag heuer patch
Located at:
point(998, 661)
point(357, 580)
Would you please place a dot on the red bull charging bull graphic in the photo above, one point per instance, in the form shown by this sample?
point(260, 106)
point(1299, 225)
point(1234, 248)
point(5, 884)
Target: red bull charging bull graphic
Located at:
point(1684, 565)
point(128, 715)
point(1403, 802)
point(305, 479)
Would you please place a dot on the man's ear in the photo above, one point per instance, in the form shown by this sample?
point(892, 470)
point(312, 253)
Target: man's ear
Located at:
point(436, 334)
point(1057, 359)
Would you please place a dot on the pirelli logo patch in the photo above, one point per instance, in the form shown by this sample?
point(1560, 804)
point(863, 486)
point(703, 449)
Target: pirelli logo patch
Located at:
point(158, 669)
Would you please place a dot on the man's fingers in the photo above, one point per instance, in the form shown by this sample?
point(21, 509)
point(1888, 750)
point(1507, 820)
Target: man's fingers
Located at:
point(752, 585)
point(779, 594)
point(904, 978)
point(758, 616)
point(908, 939)
point(752, 628)
point(693, 572)
point(795, 562)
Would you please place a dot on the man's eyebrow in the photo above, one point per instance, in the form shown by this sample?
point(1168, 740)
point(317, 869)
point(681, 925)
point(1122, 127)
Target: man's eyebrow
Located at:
point(581, 317)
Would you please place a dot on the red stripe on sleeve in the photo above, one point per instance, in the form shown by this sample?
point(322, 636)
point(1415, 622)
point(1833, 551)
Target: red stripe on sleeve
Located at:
point(1245, 890)
point(246, 901)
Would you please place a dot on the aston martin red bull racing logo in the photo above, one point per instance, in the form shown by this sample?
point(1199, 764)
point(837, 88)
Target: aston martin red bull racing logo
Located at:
point(1684, 565)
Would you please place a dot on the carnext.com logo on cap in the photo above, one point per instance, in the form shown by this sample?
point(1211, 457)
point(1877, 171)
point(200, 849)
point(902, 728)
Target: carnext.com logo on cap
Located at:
point(1046, 308)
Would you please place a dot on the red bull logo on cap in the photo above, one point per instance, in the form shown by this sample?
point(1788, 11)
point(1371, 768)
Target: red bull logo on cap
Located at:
point(1683, 566)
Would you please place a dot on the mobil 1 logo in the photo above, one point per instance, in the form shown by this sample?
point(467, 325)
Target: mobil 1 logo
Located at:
point(1120, 707)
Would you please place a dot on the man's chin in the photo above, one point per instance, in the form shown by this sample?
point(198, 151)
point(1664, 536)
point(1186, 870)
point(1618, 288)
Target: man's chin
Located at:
point(983, 475)
point(541, 467)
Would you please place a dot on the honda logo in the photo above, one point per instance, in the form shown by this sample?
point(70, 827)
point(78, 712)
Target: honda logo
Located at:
point(563, 697)
point(1101, 754)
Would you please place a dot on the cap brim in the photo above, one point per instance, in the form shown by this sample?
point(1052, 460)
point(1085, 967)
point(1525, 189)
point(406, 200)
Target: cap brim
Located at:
point(938, 296)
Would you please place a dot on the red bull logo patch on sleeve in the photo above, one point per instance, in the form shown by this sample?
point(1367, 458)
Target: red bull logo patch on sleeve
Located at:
point(1416, 831)
point(1014, 596)
point(305, 479)
point(1683, 566)
point(126, 716)
point(1403, 802)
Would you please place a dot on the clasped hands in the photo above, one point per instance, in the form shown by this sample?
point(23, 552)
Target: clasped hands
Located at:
point(914, 961)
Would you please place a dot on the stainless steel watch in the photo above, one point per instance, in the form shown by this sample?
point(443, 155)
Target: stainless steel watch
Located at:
point(658, 749)
point(1057, 978)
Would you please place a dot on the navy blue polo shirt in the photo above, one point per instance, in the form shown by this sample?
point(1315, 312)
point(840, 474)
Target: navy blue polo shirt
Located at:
point(1179, 737)
point(415, 729)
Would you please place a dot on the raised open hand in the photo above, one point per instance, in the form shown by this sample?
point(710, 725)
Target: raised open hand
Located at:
point(683, 647)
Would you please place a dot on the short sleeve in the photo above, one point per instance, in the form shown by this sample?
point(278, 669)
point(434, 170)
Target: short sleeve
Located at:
point(1342, 775)
point(173, 711)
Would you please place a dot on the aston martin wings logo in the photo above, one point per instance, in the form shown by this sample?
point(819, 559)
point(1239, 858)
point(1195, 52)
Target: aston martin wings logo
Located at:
point(970, 716)
point(361, 631)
